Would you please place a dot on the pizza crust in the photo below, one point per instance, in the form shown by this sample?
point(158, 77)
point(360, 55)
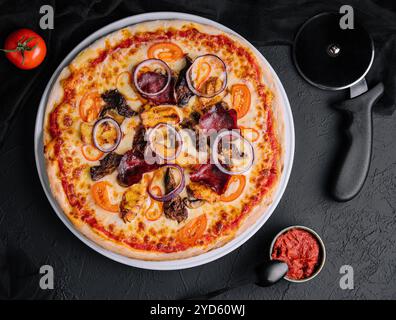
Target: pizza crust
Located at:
point(52, 166)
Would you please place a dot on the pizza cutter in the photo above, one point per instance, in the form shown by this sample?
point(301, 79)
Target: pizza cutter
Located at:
point(332, 58)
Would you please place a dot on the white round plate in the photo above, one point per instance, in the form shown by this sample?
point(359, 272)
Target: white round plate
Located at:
point(208, 256)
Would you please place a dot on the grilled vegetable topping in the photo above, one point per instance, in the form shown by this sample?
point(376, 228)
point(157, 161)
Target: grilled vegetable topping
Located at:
point(182, 91)
point(115, 100)
point(107, 165)
point(175, 208)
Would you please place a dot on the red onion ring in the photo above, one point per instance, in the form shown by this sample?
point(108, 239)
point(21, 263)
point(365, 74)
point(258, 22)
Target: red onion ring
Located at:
point(169, 196)
point(191, 86)
point(146, 63)
point(215, 152)
point(178, 139)
point(95, 129)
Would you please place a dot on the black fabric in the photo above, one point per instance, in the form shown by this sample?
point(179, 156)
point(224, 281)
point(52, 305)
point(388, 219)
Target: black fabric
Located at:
point(25, 213)
point(19, 276)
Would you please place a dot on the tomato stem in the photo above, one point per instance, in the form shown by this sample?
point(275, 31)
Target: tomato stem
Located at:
point(22, 46)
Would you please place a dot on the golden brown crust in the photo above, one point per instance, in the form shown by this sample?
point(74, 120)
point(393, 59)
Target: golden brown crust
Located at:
point(99, 237)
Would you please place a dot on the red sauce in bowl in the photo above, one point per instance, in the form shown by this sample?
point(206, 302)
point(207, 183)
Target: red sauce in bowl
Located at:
point(300, 249)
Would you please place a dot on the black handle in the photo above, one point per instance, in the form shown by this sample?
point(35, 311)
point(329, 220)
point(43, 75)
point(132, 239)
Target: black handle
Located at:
point(354, 168)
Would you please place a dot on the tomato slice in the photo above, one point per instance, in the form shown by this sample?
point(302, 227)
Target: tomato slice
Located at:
point(91, 153)
point(240, 97)
point(249, 133)
point(193, 230)
point(90, 106)
point(101, 196)
point(152, 214)
point(228, 197)
point(165, 51)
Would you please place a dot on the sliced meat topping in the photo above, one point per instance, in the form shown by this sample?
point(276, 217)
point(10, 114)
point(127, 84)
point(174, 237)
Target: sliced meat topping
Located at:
point(174, 209)
point(212, 177)
point(182, 92)
point(218, 118)
point(107, 165)
point(115, 100)
point(152, 82)
point(132, 167)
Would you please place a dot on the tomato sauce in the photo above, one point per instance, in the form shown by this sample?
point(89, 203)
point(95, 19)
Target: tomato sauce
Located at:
point(300, 250)
point(266, 177)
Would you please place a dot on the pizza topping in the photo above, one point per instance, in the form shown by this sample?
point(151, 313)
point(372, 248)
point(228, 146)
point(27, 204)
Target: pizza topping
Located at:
point(155, 208)
point(133, 201)
point(91, 153)
point(174, 183)
point(100, 194)
point(165, 51)
point(153, 80)
point(233, 192)
point(231, 153)
point(107, 165)
point(210, 175)
point(207, 76)
point(218, 118)
point(106, 134)
point(191, 201)
point(191, 121)
point(202, 192)
point(160, 114)
point(132, 167)
point(250, 134)
point(240, 97)
point(90, 106)
point(182, 91)
point(165, 141)
point(115, 100)
point(174, 209)
point(193, 230)
point(139, 142)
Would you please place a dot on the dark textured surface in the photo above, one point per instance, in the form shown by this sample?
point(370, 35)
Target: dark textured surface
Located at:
point(360, 233)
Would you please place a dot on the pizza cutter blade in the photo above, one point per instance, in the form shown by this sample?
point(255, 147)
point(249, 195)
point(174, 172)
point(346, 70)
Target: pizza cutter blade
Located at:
point(332, 58)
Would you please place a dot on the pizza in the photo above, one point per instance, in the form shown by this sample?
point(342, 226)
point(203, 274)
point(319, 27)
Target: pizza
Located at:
point(163, 140)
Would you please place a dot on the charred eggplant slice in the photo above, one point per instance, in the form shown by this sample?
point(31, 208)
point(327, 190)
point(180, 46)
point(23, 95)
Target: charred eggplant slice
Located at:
point(174, 209)
point(107, 165)
point(115, 100)
point(182, 91)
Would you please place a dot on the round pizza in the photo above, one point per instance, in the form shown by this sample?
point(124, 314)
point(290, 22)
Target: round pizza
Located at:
point(162, 140)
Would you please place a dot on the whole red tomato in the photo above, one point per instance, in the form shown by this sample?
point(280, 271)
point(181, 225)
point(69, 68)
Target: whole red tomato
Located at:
point(25, 48)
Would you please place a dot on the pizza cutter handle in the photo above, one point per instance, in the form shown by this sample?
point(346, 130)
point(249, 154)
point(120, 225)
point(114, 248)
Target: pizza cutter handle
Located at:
point(354, 168)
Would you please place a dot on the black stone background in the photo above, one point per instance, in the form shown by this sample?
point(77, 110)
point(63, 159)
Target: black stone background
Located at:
point(360, 233)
